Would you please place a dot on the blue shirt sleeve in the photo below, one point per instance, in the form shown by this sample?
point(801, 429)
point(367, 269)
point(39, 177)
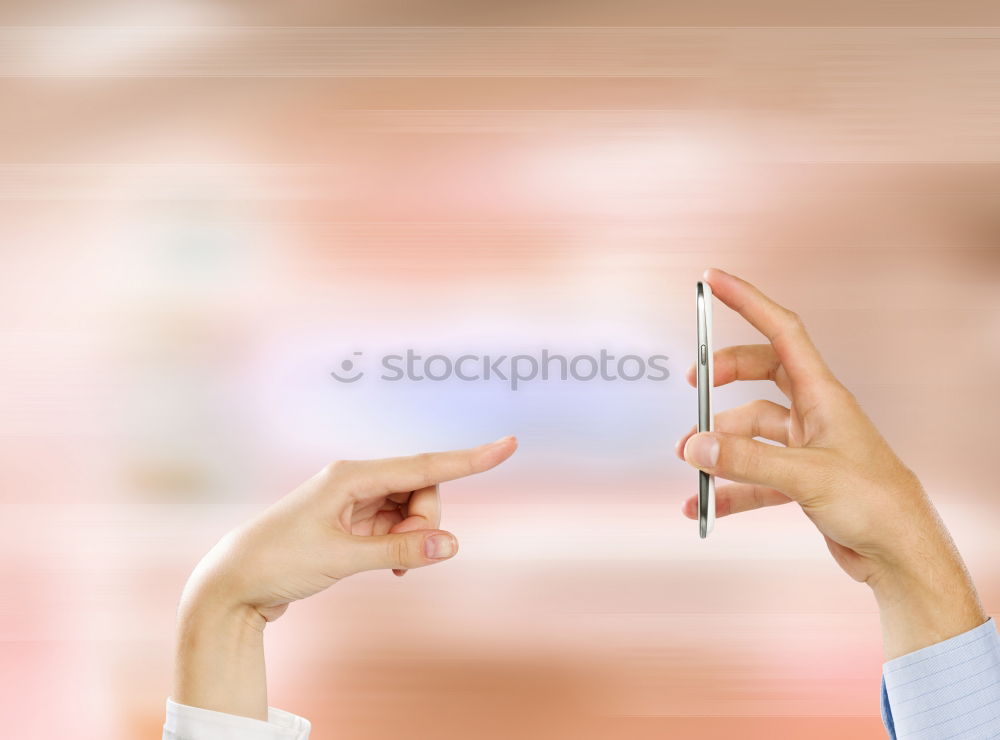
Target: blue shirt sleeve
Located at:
point(948, 691)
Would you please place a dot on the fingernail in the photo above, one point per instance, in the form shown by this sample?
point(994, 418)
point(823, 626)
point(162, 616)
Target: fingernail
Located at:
point(439, 546)
point(702, 450)
point(502, 440)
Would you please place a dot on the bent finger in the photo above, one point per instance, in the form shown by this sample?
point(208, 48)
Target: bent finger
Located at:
point(734, 498)
point(759, 418)
point(421, 511)
point(746, 362)
point(423, 508)
point(783, 328)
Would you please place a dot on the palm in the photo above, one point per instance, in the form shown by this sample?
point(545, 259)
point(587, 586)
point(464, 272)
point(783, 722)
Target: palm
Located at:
point(804, 422)
point(365, 515)
point(394, 513)
point(378, 516)
point(804, 430)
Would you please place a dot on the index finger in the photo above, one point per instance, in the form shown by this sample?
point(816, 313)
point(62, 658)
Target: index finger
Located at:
point(783, 328)
point(394, 474)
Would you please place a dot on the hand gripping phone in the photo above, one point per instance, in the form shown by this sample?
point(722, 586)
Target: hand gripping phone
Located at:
point(706, 378)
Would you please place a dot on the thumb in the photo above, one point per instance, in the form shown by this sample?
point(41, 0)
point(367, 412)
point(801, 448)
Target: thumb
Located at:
point(746, 460)
point(403, 550)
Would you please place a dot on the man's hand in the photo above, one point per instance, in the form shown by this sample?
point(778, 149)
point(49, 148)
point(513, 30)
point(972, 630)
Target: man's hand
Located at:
point(878, 522)
point(350, 517)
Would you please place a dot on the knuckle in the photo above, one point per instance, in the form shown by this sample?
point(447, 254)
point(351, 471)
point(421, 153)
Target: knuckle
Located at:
point(836, 398)
point(424, 463)
point(845, 394)
point(792, 320)
point(399, 550)
point(337, 470)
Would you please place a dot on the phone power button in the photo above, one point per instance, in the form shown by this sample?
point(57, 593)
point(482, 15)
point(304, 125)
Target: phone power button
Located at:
point(703, 354)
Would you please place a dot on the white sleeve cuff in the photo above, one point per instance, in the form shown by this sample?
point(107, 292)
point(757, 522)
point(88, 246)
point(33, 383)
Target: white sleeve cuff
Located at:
point(193, 723)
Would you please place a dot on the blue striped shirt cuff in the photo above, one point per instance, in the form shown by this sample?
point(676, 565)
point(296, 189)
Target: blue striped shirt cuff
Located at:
point(948, 691)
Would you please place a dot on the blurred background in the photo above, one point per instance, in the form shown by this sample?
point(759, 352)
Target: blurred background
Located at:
point(206, 207)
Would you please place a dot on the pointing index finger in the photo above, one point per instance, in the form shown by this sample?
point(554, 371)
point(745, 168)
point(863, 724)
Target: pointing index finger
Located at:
point(379, 477)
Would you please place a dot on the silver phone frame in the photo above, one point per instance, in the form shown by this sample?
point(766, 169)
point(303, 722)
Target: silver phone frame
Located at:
point(705, 376)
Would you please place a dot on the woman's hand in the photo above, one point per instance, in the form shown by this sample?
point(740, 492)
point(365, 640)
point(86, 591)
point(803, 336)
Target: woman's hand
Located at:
point(350, 517)
point(878, 522)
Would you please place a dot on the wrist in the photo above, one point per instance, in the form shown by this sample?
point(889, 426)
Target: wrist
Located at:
point(207, 605)
point(203, 618)
point(921, 606)
point(219, 663)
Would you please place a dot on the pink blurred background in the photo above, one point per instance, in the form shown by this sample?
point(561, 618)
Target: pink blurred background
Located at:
point(205, 207)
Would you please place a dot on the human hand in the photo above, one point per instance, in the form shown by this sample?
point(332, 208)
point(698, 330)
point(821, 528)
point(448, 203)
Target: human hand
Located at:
point(878, 522)
point(350, 517)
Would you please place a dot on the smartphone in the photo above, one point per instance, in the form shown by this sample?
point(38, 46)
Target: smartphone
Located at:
point(706, 379)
